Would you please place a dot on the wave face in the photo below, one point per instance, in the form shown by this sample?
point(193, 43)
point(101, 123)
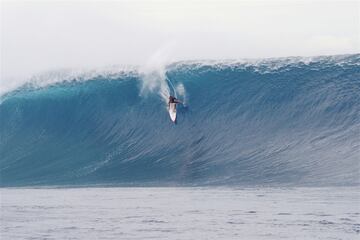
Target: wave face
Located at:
point(287, 121)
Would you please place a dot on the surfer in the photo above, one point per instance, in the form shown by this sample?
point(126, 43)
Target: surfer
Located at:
point(173, 100)
point(172, 107)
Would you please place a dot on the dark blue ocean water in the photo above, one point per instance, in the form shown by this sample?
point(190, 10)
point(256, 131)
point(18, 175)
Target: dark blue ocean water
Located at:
point(269, 122)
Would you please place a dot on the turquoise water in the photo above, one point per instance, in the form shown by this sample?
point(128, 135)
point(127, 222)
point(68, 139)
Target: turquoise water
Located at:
point(273, 122)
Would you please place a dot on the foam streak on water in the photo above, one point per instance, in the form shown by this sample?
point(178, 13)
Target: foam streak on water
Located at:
point(180, 213)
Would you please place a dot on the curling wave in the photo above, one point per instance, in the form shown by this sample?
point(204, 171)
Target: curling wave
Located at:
point(289, 121)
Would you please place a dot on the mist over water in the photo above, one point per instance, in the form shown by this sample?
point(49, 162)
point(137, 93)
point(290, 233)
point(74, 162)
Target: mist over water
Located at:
point(288, 121)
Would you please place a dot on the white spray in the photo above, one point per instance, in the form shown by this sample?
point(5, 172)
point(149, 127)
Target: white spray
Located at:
point(154, 77)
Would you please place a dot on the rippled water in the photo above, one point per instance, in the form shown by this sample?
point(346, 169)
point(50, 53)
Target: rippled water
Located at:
point(180, 213)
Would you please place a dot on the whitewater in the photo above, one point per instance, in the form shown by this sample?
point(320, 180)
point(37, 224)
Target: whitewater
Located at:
point(262, 149)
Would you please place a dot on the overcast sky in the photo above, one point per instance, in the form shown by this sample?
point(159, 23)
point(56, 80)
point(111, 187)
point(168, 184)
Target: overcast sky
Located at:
point(41, 36)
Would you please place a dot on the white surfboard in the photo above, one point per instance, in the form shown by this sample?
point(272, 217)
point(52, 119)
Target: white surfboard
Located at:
point(172, 111)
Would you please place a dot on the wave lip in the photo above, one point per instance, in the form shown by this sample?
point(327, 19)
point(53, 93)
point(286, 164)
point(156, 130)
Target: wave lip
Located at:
point(284, 121)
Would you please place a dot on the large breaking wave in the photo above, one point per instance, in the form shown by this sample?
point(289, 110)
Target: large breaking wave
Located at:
point(289, 121)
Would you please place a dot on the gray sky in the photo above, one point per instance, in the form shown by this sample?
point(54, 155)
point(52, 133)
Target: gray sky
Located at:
point(41, 36)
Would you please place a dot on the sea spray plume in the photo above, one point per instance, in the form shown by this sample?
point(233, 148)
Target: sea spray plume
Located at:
point(153, 79)
point(153, 74)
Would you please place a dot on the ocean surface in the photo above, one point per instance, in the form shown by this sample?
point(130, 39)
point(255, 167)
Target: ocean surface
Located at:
point(181, 213)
